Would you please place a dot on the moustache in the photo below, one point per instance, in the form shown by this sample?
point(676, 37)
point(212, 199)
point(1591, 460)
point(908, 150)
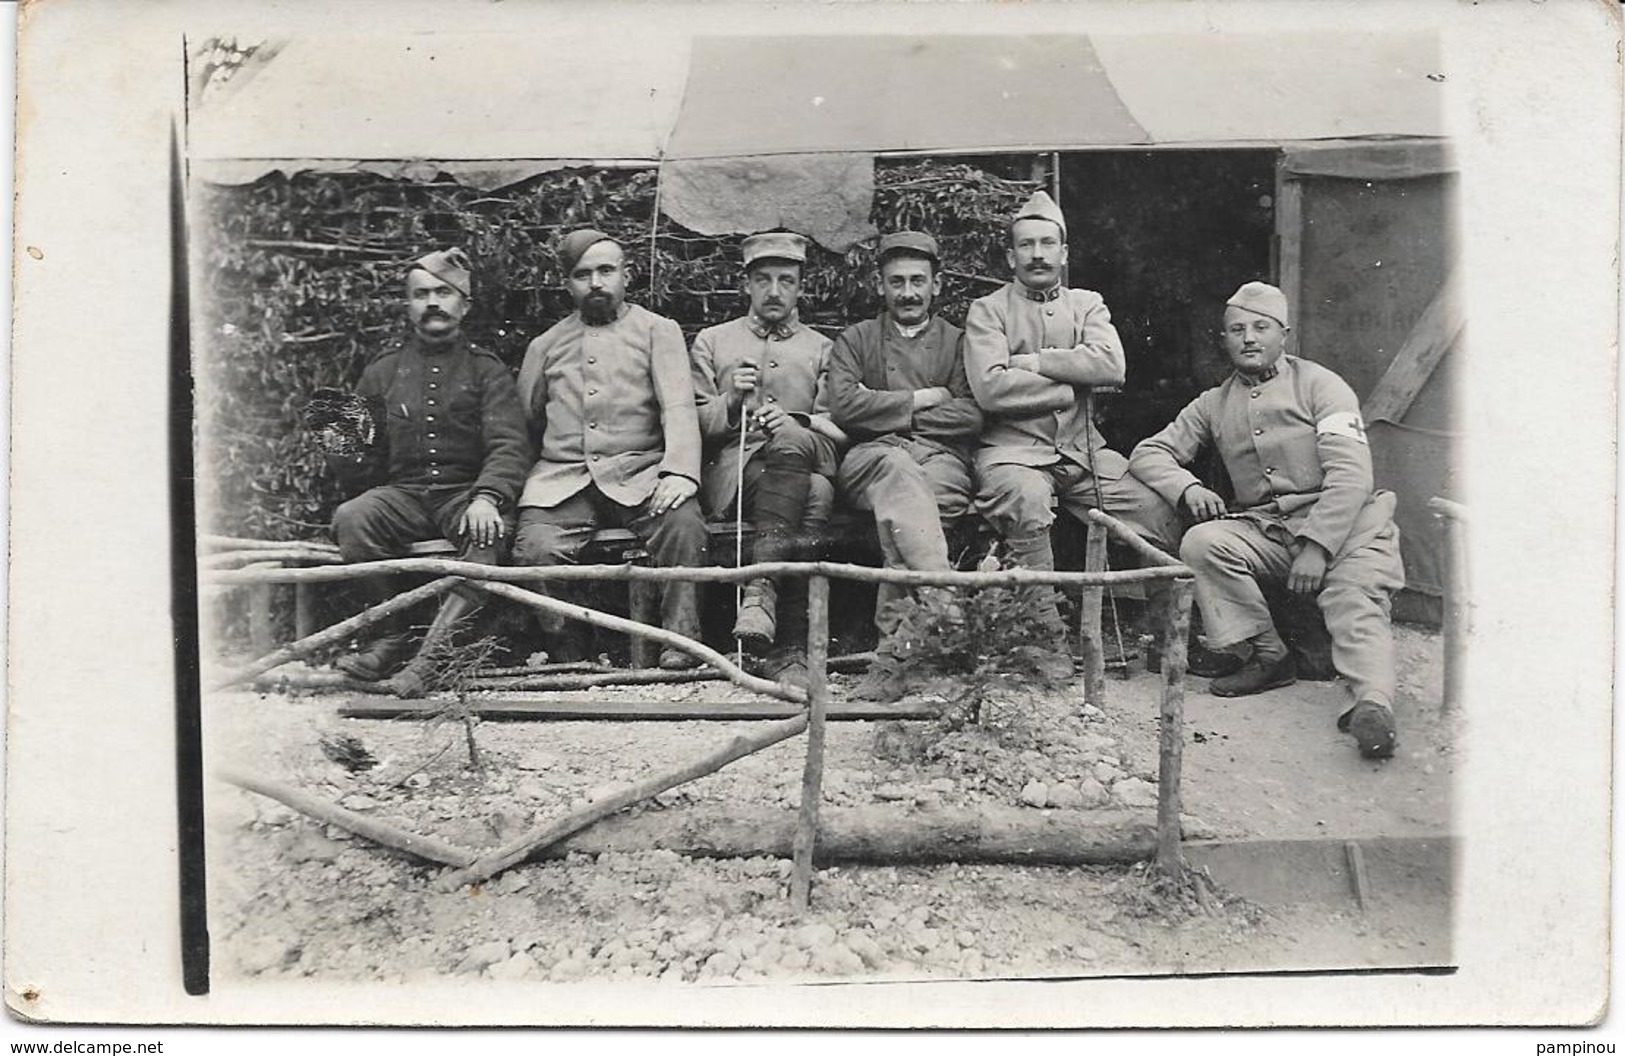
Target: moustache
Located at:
point(909, 302)
point(1038, 265)
point(432, 312)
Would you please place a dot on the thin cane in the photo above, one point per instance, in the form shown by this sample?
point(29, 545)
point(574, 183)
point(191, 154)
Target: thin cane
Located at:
point(1100, 504)
point(739, 521)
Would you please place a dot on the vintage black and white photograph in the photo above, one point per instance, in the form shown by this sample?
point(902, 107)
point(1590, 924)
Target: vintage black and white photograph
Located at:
point(888, 330)
point(701, 505)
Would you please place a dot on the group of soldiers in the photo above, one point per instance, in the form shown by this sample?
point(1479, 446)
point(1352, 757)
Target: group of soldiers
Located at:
point(614, 422)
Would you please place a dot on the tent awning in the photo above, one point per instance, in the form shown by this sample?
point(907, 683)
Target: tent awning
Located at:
point(770, 95)
point(498, 107)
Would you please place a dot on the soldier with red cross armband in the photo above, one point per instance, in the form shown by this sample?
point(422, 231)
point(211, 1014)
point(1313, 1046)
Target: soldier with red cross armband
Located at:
point(1306, 514)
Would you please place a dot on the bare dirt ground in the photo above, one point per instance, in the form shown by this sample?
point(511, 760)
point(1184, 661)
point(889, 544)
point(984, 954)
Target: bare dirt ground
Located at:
point(292, 898)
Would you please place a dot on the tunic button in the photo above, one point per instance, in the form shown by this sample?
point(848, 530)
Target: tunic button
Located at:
point(592, 425)
point(772, 399)
point(1258, 432)
point(432, 451)
point(434, 370)
point(430, 418)
point(597, 458)
point(592, 359)
point(434, 472)
point(1049, 311)
point(774, 363)
point(1255, 394)
point(1270, 469)
point(592, 392)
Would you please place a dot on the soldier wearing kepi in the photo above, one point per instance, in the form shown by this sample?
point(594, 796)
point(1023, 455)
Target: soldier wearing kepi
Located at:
point(452, 451)
point(1033, 351)
point(609, 399)
point(764, 375)
point(1306, 514)
point(897, 386)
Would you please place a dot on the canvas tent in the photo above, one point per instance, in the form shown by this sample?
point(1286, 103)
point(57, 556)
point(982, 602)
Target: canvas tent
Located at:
point(746, 139)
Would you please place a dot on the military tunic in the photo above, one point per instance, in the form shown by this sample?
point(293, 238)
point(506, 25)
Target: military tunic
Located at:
point(793, 361)
point(450, 427)
point(910, 467)
point(1295, 449)
point(612, 408)
point(1039, 444)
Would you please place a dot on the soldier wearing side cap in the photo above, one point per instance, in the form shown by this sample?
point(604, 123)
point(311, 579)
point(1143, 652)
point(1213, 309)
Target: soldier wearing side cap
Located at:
point(1034, 349)
point(1306, 513)
point(451, 452)
point(611, 406)
point(765, 375)
point(897, 386)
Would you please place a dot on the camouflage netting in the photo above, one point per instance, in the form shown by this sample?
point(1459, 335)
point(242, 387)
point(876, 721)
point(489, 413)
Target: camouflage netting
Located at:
point(300, 282)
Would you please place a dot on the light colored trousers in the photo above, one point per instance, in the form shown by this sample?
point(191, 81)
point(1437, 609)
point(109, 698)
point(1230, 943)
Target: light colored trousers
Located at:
point(1233, 556)
point(911, 487)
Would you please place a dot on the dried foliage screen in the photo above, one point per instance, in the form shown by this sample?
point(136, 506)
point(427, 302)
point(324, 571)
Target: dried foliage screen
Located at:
point(300, 285)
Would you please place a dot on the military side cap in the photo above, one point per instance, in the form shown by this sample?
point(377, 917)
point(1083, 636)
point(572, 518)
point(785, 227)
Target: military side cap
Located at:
point(917, 242)
point(778, 245)
point(1262, 299)
point(575, 245)
point(450, 266)
point(1041, 207)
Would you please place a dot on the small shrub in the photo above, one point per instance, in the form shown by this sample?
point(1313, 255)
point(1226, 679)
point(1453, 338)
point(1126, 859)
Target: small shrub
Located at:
point(978, 642)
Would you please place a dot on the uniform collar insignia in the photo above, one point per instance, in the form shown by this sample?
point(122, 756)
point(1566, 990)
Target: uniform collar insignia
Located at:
point(1051, 294)
point(773, 331)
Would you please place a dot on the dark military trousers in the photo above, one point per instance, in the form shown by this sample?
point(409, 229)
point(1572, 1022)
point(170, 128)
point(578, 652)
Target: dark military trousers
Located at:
point(556, 534)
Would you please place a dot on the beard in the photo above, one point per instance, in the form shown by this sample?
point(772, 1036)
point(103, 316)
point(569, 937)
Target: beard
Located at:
point(597, 309)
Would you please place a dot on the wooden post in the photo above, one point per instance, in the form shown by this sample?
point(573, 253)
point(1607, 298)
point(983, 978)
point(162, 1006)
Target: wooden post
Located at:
point(304, 610)
point(643, 604)
point(812, 774)
point(1171, 730)
point(1089, 632)
point(261, 633)
point(1456, 614)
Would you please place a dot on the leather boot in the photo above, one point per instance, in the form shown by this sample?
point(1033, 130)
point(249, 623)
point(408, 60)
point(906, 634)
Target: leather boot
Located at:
point(756, 624)
point(384, 655)
point(413, 680)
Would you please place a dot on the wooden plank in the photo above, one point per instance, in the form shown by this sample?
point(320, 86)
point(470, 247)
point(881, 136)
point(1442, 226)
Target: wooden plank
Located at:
point(544, 709)
point(1289, 239)
point(1424, 347)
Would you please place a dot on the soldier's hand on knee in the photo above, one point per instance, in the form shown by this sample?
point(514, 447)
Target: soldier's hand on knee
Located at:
point(1203, 503)
point(1308, 568)
point(670, 493)
point(482, 522)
